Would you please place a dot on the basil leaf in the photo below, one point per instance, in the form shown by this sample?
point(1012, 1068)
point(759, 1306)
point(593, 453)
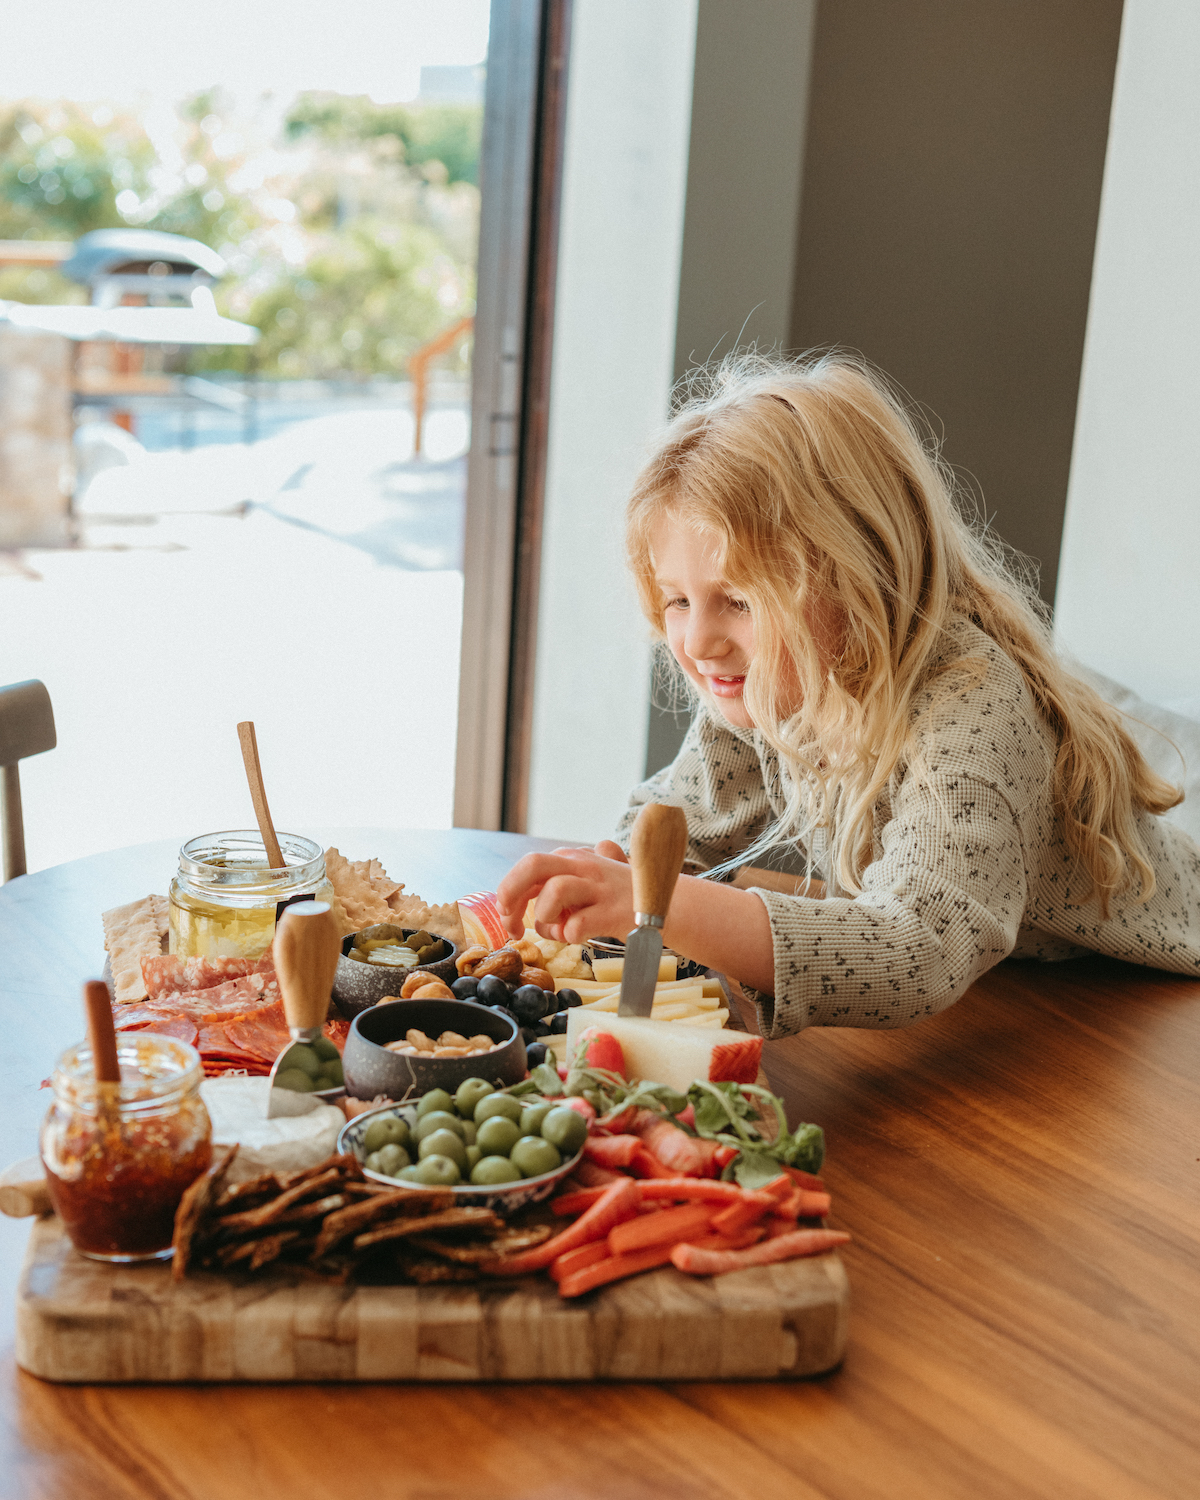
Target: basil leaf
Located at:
point(804, 1148)
point(547, 1080)
point(754, 1169)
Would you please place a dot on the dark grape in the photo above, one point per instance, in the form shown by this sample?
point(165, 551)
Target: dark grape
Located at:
point(491, 990)
point(465, 988)
point(558, 1024)
point(531, 1003)
point(535, 1054)
point(568, 999)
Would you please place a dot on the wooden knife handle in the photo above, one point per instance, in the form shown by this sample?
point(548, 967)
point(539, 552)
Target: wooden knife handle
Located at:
point(306, 955)
point(656, 850)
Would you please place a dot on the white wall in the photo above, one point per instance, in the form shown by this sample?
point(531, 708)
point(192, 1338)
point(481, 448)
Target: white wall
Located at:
point(625, 171)
point(1128, 601)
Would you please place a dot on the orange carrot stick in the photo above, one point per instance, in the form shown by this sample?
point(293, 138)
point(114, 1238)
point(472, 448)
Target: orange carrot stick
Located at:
point(570, 1204)
point(667, 1227)
point(618, 1202)
point(785, 1247)
point(582, 1256)
point(702, 1189)
point(805, 1180)
point(614, 1269)
point(738, 1216)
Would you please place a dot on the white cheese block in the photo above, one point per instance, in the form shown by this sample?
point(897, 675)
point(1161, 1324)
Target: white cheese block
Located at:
point(611, 968)
point(238, 1107)
point(672, 1052)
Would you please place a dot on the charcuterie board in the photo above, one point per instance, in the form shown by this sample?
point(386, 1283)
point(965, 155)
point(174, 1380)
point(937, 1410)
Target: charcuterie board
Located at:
point(80, 1321)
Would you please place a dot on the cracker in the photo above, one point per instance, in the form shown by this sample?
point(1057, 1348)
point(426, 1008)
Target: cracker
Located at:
point(131, 933)
point(442, 921)
point(361, 888)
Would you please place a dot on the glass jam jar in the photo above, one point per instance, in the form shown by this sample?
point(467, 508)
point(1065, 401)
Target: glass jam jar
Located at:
point(119, 1156)
point(224, 898)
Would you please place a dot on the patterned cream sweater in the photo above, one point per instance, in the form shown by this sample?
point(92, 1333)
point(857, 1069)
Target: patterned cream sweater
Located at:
point(969, 863)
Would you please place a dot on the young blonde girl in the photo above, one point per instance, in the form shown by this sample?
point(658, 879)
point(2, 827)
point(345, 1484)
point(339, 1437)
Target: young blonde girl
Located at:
point(876, 691)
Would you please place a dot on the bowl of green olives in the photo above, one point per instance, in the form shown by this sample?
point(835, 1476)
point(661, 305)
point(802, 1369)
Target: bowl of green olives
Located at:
point(371, 1069)
point(493, 1148)
point(375, 962)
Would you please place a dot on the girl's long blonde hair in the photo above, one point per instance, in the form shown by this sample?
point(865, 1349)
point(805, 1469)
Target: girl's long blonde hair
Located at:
point(815, 486)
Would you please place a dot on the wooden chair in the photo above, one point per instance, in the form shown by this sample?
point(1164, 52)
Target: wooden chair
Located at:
point(26, 728)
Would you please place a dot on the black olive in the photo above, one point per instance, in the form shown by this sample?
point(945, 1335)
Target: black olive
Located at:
point(568, 999)
point(465, 988)
point(491, 990)
point(558, 1024)
point(531, 1003)
point(535, 1054)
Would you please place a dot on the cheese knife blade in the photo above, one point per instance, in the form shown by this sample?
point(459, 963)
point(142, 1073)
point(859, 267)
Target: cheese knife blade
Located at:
point(656, 849)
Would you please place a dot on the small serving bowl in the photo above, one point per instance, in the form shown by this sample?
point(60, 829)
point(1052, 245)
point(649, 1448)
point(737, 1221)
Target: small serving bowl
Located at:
point(505, 1199)
point(358, 986)
point(370, 1069)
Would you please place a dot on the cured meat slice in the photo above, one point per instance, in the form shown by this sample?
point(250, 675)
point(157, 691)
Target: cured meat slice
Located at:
point(235, 997)
point(168, 974)
point(264, 1035)
point(176, 1026)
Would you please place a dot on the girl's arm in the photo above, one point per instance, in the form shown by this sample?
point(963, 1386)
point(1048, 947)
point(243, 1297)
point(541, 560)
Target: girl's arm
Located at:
point(584, 893)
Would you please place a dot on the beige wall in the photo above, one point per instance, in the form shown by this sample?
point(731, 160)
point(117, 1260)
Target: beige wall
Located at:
point(951, 189)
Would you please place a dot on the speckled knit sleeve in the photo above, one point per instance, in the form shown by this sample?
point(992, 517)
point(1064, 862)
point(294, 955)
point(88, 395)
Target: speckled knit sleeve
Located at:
point(941, 904)
point(717, 779)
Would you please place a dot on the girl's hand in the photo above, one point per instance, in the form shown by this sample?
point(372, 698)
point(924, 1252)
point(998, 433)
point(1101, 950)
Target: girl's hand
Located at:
point(581, 893)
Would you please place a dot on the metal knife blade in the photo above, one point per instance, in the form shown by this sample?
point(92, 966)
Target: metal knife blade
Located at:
point(639, 975)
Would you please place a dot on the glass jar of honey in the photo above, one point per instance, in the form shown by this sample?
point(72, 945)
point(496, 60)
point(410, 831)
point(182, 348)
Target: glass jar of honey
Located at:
point(119, 1156)
point(224, 898)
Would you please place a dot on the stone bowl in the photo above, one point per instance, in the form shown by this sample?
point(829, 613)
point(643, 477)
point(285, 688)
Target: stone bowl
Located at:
point(372, 1070)
point(358, 986)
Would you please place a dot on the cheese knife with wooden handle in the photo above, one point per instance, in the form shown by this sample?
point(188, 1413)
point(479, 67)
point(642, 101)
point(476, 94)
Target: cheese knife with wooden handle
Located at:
point(656, 849)
point(306, 954)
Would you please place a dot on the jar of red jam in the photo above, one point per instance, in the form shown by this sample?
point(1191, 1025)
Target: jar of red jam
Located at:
point(119, 1156)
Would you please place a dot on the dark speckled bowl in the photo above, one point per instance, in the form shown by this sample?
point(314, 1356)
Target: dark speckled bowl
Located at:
point(370, 1069)
point(358, 986)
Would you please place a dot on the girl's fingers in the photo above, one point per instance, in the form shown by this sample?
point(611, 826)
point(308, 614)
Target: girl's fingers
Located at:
point(608, 850)
point(562, 897)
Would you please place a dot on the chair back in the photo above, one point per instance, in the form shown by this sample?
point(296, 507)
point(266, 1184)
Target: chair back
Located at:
point(26, 728)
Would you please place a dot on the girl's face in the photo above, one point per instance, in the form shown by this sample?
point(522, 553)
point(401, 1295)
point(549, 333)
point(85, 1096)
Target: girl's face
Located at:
point(709, 628)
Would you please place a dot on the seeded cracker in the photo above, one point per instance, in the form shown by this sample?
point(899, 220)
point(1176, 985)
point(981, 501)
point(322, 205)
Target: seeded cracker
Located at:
point(365, 894)
point(132, 933)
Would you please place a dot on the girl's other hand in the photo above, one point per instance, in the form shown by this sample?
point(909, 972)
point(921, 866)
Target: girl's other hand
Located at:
point(581, 893)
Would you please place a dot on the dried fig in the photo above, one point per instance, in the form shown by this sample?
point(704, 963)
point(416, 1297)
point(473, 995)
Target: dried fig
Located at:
point(434, 990)
point(468, 958)
point(415, 979)
point(529, 951)
point(533, 975)
point(505, 964)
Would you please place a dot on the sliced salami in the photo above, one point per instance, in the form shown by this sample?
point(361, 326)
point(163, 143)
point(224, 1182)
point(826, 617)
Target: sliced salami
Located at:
point(235, 997)
point(167, 974)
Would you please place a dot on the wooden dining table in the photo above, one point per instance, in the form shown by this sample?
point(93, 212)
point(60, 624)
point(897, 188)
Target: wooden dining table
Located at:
point(1020, 1175)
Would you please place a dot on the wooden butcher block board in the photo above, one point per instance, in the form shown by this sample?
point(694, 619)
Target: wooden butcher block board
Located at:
point(81, 1321)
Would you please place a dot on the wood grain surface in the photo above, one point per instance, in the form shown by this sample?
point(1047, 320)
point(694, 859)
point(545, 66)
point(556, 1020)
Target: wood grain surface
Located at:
point(1021, 1176)
point(79, 1321)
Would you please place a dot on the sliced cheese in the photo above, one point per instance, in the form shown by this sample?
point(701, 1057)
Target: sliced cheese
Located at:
point(238, 1109)
point(611, 968)
point(672, 1052)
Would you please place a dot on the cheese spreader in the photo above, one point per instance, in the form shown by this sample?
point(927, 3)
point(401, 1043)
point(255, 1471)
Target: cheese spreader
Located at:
point(656, 849)
point(306, 954)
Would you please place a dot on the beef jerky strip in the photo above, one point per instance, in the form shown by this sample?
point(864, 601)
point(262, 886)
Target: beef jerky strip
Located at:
point(271, 1213)
point(507, 1242)
point(249, 1250)
point(231, 1227)
point(192, 1208)
point(346, 1163)
point(235, 1198)
point(453, 1218)
point(403, 1201)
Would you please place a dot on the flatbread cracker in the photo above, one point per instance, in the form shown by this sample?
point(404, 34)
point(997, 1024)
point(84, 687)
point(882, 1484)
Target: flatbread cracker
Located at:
point(441, 921)
point(131, 933)
point(364, 894)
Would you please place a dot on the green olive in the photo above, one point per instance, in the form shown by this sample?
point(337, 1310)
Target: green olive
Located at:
point(532, 1156)
point(564, 1128)
point(392, 1159)
point(438, 1171)
point(302, 1056)
point(434, 1099)
point(438, 1119)
point(498, 1104)
point(497, 1136)
point(442, 1143)
point(411, 1174)
point(383, 1130)
point(331, 1075)
point(325, 1050)
point(469, 1129)
point(371, 1162)
point(295, 1079)
point(418, 940)
point(494, 1171)
point(470, 1092)
point(532, 1116)
point(474, 1157)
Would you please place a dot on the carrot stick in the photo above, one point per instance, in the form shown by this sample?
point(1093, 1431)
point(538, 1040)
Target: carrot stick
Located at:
point(570, 1204)
point(612, 1150)
point(738, 1216)
point(805, 1180)
point(778, 1188)
point(646, 1164)
point(786, 1247)
point(614, 1269)
point(669, 1226)
point(741, 1241)
point(618, 1202)
point(582, 1256)
point(587, 1174)
point(703, 1189)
